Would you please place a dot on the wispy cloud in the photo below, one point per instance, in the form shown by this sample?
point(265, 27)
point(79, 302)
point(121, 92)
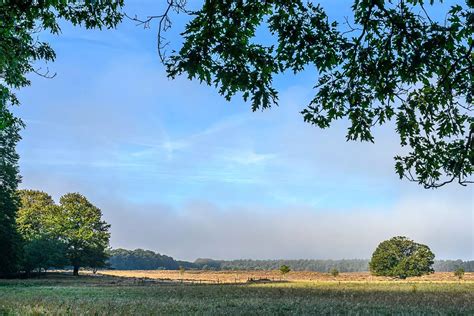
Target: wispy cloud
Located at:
point(247, 157)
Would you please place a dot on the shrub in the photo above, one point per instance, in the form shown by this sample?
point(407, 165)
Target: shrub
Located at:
point(284, 269)
point(401, 257)
point(459, 273)
point(334, 272)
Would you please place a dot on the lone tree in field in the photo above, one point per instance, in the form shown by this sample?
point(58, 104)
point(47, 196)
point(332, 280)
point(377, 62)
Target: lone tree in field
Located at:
point(401, 257)
point(284, 269)
point(334, 272)
point(181, 271)
point(459, 273)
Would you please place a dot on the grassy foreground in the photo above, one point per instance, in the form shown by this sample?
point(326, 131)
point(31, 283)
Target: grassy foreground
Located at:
point(97, 295)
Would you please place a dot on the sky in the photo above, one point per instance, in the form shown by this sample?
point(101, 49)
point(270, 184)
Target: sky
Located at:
point(177, 169)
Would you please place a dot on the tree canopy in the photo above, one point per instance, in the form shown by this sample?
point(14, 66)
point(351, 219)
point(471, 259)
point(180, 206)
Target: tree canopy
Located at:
point(284, 269)
point(36, 214)
point(393, 60)
point(401, 257)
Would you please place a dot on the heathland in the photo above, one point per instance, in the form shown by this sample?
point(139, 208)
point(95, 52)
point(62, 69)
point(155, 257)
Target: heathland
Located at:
point(236, 292)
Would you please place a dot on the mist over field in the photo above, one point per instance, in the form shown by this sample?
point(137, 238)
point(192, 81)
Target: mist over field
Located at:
point(204, 230)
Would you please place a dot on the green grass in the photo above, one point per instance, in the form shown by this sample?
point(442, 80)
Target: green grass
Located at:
point(119, 296)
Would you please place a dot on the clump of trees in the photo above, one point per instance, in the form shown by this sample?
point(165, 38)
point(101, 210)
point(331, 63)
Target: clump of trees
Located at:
point(140, 259)
point(36, 233)
point(71, 233)
point(401, 257)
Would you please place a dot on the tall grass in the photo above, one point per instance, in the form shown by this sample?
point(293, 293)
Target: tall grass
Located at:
point(121, 296)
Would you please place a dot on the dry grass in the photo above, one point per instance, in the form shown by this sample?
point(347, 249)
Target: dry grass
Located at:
point(306, 293)
point(194, 276)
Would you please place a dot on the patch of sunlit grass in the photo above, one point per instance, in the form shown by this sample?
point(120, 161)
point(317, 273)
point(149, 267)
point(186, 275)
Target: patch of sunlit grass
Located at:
point(99, 295)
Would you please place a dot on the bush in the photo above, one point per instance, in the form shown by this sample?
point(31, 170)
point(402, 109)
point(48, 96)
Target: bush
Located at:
point(334, 272)
point(459, 273)
point(401, 257)
point(284, 269)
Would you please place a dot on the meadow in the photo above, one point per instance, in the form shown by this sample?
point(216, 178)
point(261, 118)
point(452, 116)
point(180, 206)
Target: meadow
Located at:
point(298, 293)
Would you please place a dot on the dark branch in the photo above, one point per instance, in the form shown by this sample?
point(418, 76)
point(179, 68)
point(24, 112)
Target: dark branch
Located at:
point(164, 23)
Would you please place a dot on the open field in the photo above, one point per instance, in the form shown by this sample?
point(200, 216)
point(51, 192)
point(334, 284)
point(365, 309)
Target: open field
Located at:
point(105, 294)
point(193, 276)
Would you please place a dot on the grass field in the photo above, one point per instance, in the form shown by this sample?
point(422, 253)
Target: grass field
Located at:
point(193, 276)
point(159, 292)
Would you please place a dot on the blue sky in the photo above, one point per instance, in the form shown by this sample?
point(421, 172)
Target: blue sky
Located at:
point(177, 169)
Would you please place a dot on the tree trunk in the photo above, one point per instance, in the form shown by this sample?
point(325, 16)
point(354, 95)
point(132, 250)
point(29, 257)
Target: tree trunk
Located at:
point(76, 271)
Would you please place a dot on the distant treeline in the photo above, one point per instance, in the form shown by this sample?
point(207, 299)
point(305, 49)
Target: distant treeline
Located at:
point(451, 265)
point(350, 265)
point(139, 259)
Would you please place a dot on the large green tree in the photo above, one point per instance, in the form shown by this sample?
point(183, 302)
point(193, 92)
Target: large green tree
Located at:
point(36, 218)
point(401, 257)
point(84, 232)
point(9, 180)
point(407, 61)
point(22, 24)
